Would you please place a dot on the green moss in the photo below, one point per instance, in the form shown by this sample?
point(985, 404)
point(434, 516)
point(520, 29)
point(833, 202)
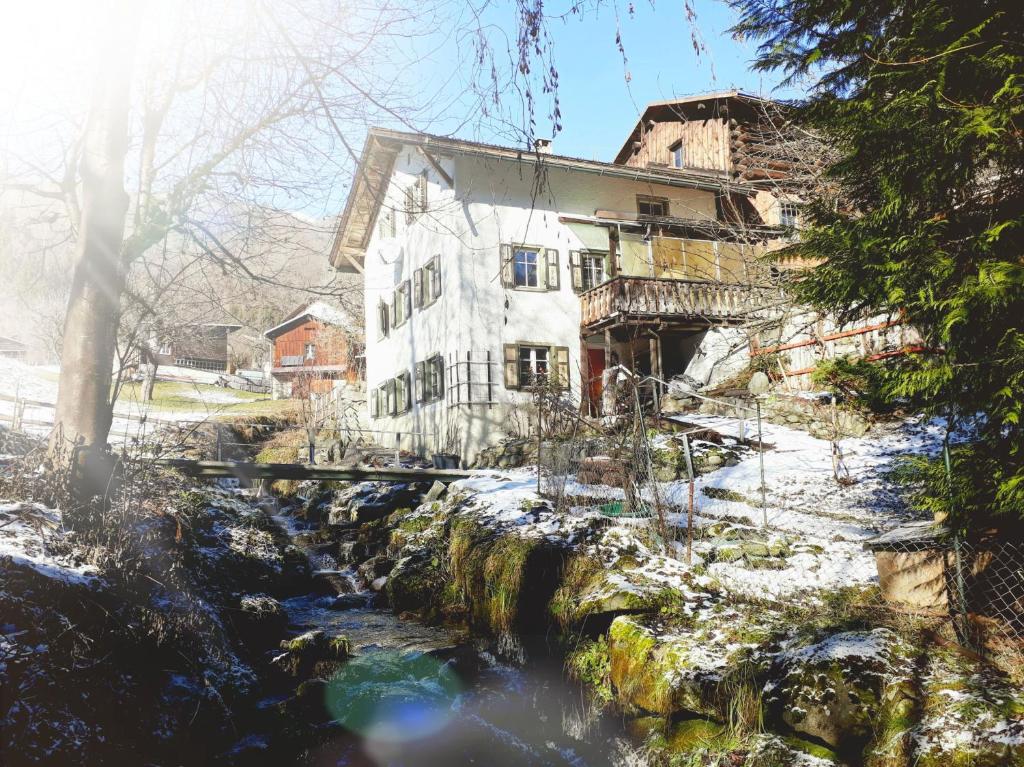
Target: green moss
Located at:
point(591, 665)
point(724, 494)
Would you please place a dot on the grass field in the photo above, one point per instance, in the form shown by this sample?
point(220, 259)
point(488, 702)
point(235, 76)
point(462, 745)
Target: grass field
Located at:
point(174, 396)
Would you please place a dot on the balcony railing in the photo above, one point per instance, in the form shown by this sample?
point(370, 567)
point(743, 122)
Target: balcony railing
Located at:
point(647, 298)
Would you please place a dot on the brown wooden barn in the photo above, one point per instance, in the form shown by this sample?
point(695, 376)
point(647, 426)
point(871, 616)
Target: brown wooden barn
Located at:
point(313, 348)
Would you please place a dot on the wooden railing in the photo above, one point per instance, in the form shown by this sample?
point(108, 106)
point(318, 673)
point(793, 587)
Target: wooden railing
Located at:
point(624, 298)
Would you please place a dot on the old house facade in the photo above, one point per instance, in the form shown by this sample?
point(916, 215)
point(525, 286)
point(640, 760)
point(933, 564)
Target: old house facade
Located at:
point(486, 266)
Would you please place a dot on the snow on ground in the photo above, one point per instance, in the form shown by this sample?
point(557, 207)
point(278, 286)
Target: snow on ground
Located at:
point(511, 500)
point(807, 506)
point(816, 527)
point(24, 529)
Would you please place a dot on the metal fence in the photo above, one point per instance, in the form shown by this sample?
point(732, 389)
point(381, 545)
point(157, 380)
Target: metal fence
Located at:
point(976, 584)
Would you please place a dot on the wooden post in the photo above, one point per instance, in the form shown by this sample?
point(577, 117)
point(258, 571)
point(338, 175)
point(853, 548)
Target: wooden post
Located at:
point(760, 458)
point(540, 433)
point(689, 513)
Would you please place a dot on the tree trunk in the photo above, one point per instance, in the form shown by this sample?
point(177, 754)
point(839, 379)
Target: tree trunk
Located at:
point(83, 412)
point(148, 380)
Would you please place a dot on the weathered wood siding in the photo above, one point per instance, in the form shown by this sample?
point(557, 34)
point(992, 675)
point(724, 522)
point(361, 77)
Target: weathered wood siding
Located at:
point(292, 343)
point(706, 144)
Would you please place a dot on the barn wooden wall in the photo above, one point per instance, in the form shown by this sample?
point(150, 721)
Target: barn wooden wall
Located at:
point(706, 141)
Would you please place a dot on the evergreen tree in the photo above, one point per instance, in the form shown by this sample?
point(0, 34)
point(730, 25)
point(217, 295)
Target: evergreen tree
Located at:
point(925, 99)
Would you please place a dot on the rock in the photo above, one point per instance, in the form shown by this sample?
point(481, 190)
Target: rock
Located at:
point(435, 493)
point(349, 602)
point(831, 690)
point(759, 383)
point(350, 552)
point(368, 501)
point(379, 583)
point(261, 620)
point(375, 567)
point(667, 671)
point(968, 715)
point(313, 654)
point(415, 584)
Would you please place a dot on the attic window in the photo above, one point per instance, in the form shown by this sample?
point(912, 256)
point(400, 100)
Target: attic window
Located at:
point(789, 215)
point(678, 153)
point(651, 206)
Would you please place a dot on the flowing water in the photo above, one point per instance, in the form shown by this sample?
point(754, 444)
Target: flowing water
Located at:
point(421, 695)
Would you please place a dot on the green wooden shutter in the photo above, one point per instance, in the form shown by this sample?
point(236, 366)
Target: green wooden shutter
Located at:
point(420, 390)
point(511, 366)
point(507, 279)
point(576, 270)
point(374, 403)
point(552, 271)
point(560, 357)
point(435, 279)
point(438, 365)
point(382, 320)
point(417, 288)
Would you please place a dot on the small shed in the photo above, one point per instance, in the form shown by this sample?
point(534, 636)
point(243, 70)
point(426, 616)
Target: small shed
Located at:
point(12, 348)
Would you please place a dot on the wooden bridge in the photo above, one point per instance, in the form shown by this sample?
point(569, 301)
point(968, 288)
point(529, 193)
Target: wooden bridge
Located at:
point(249, 471)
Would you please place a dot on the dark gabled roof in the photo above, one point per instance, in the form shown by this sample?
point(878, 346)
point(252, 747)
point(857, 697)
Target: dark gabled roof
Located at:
point(382, 147)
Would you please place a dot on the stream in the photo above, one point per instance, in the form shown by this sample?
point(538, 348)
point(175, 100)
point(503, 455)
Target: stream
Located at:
point(423, 695)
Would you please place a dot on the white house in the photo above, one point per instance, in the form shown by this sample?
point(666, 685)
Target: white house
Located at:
point(475, 258)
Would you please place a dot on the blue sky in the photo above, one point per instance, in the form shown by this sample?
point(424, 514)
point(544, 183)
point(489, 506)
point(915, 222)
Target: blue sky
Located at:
point(599, 107)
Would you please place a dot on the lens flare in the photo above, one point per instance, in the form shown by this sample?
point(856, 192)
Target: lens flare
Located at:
point(394, 697)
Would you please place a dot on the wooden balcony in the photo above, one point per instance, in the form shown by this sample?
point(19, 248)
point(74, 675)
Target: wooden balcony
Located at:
point(647, 300)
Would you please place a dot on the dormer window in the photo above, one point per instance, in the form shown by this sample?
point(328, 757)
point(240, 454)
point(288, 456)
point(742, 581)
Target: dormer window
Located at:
point(789, 215)
point(678, 154)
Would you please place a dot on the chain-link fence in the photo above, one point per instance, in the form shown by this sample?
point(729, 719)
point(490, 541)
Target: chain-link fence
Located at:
point(976, 583)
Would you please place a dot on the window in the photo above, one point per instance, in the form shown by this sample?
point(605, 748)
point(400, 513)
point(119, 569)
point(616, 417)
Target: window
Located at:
point(529, 268)
point(789, 214)
point(533, 364)
point(591, 270)
point(525, 272)
point(402, 402)
point(430, 379)
point(529, 363)
point(587, 269)
point(310, 351)
point(165, 349)
point(402, 304)
point(651, 206)
point(427, 283)
point(678, 155)
point(416, 198)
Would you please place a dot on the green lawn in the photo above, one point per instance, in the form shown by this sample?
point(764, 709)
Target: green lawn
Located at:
point(173, 396)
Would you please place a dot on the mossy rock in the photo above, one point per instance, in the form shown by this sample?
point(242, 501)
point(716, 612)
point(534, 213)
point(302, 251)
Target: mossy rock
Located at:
point(313, 654)
point(970, 716)
point(768, 750)
point(417, 584)
point(662, 674)
point(832, 689)
point(504, 580)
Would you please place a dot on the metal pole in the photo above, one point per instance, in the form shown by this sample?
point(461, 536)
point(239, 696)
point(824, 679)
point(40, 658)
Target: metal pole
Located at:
point(689, 513)
point(760, 458)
